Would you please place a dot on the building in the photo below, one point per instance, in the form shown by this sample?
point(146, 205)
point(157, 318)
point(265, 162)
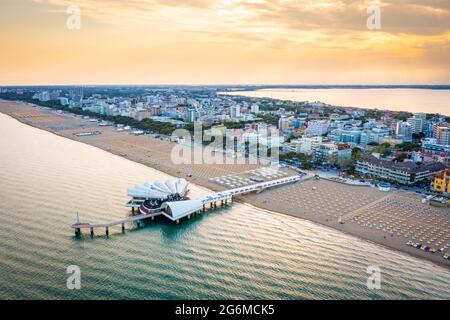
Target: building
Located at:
point(331, 154)
point(155, 110)
point(374, 135)
point(406, 173)
point(441, 182)
point(326, 153)
point(283, 124)
point(306, 144)
point(43, 96)
point(235, 111)
point(191, 115)
point(63, 101)
point(417, 123)
point(317, 128)
point(435, 151)
point(442, 134)
point(142, 114)
point(254, 108)
point(404, 131)
point(153, 194)
point(351, 135)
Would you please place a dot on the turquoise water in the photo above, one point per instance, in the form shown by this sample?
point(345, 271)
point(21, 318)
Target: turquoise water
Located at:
point(232, 253)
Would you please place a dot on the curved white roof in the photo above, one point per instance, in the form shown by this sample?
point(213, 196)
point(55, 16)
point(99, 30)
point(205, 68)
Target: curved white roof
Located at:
point(158, 189)
point(181, 185)
point(180, 209)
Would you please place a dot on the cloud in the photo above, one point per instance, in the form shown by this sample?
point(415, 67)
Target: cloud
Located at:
point(269, 18)
point(251, 38)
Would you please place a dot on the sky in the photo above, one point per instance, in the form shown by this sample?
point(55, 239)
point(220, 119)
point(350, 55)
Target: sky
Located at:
point(224, 42)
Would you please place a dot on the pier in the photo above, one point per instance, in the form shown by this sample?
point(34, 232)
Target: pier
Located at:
point(177, 210)
point(92, 226)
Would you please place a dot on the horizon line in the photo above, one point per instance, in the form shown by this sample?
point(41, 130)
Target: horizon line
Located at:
point(223, 85)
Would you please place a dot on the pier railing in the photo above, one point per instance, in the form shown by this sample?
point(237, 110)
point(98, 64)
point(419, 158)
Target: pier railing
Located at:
point(212, 199)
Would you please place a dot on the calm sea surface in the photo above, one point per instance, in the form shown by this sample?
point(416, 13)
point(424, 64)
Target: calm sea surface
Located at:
point(237, 252)
point(412, 100)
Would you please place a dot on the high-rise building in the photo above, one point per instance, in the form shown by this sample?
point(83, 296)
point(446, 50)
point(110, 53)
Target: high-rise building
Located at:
point(283, 123)
point(191, 115)
point(374, 135)
point(317, 128)
point(421, 115)
point(404, 131)
point(44, 96)
point(254, 108)
point(442, 134)
point(417, 123)
point(235, 111)
point(352, 135)
point(306, 144)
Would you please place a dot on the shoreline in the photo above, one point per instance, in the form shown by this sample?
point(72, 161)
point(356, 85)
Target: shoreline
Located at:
point(283, 93)
point(152, 152)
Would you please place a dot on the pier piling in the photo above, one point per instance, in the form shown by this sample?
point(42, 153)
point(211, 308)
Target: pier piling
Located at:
point(225, 198)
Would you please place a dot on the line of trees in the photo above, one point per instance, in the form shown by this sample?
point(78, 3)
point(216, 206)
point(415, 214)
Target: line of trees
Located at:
point(145, 124)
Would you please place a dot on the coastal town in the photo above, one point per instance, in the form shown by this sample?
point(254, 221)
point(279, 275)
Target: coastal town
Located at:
point(377, 174)
point(402, 148)
point(225, 158)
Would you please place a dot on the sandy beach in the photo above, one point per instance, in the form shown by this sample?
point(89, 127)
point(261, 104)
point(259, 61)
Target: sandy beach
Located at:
point(390, 219)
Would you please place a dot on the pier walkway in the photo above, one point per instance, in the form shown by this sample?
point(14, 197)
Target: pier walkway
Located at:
point(210, 199)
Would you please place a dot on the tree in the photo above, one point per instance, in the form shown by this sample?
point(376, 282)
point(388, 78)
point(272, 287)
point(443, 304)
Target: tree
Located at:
point(418, 136)
point(290, 138)
point(403, 116)
point(356, 154)
point(401, 157)
point(409, 146)
point(345, 164)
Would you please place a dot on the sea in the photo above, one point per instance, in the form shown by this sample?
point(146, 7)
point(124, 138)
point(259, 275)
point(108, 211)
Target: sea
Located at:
point(393, 99)
point(237, 252)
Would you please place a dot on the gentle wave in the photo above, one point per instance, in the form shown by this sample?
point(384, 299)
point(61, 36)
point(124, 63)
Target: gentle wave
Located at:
point(231, 253)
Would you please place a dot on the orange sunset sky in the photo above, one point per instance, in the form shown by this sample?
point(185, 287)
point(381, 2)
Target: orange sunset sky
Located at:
point(224, 42)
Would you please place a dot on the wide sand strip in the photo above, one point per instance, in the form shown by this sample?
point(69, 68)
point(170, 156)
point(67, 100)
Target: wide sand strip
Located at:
point(390, 219)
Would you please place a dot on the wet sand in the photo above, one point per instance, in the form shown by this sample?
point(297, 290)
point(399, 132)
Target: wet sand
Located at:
point(390, 219)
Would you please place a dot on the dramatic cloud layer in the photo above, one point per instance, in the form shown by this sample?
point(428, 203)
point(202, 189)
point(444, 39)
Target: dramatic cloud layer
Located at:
point(236, 41)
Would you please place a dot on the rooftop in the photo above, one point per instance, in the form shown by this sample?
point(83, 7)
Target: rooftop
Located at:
point(410, 167)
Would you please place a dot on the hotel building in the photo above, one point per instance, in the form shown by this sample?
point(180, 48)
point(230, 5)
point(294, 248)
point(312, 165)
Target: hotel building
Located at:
point(442, 134)
point(404, 131)
point(406, 173)
point(441, 182)
point(317, 128)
